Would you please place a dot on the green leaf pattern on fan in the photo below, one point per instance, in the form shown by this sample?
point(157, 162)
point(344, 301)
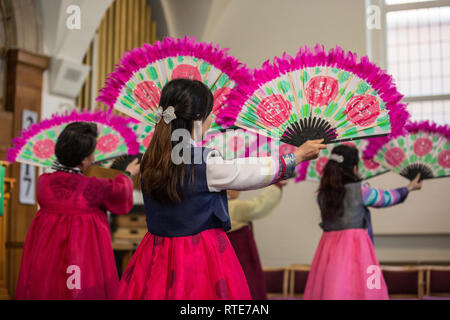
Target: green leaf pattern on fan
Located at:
point(422, 148)
point(321, 92)
point(39, 150)
point(161, 72)
point(143, 133)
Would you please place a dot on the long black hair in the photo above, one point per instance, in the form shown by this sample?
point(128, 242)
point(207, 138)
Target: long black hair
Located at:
point(76, 142)
point(163, 179)
point(335, 176)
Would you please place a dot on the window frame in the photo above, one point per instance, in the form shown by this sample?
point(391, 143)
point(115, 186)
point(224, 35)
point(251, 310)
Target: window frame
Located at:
point(383, 36)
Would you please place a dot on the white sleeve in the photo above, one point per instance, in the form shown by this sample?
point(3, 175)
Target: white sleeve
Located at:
point(245, 173)
point(240, 173)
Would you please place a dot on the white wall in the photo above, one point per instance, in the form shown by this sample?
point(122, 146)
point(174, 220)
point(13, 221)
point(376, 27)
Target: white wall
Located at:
point(256, 30)
point(67, 44)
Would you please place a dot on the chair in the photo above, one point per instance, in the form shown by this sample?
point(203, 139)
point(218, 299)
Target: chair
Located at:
point(404, 282)
point(276, 282)
point(438, 282)
point(297, 279)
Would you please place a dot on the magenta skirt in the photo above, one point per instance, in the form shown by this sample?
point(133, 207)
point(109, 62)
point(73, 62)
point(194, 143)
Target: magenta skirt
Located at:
point(199, 267)
point(345, 267)
point(68, 256)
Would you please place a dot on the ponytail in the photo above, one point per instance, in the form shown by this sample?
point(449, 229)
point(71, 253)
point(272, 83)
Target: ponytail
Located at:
point(162, 179)
point(335, 176)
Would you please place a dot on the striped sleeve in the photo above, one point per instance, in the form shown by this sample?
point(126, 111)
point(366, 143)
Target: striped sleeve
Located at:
point(378, 198)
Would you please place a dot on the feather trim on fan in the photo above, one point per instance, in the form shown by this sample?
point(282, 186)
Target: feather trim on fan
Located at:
point(424, 148)
point(134, 88)
point(35, 145)
point(317, 95)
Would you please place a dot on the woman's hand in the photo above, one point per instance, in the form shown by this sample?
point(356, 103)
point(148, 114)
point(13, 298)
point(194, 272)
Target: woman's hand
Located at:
point(134, 167)
point(309, 150)
point(415, 184)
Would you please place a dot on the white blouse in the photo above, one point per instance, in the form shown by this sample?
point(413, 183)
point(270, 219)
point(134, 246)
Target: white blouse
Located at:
point(245, 173)
point(241, 173)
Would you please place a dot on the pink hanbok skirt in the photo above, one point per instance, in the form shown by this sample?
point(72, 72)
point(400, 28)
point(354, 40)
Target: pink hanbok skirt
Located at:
point(199, 267)
point(345, 267)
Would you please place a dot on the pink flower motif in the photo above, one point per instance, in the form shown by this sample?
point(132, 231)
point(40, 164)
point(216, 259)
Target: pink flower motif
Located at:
point(44, 149)
point(147, 95)
point(363, 110)
point(274, 110)
point(321, 90)
point(107, 143)
point(444, 159)
point(236, 144)
point(185, 71)
point(370, 164)
point(394, 156)
point(219, 98)
point(286, 149)
point(147, 139)
point(320, 165)
point(422, 146)
point(263, 153)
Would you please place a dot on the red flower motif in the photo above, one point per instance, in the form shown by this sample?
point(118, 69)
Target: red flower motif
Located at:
point(321, 90)
point(107, 143)
point(274, 110)
point(320, 165)
point(422, 146)
point(370, 164)
point(185, 71)
point(236, 144)
point(444, 158)
point(44, 149)
point(147, 95)
point(363, 110)
point(394, 156)
point(286, 149)
point(147, 139)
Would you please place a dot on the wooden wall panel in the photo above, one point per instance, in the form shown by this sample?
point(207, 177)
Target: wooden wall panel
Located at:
point(24, 77)
point(6, 120)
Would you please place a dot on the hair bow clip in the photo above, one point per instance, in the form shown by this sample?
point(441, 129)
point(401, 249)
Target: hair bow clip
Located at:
point(167, 115)
point(337, 157)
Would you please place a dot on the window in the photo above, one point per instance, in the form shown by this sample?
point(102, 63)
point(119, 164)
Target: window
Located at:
point(417, 44)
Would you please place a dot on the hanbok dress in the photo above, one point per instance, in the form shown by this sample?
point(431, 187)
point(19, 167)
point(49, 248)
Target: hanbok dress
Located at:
point(186, 253)
point(345, 265)
point(68, 251)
